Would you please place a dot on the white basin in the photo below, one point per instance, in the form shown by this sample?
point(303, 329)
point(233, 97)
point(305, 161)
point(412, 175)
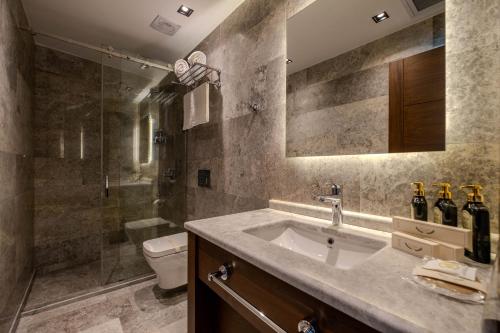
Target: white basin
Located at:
point(340, 248)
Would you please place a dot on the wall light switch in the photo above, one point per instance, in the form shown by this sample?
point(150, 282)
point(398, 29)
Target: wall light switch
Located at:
point(204, 178)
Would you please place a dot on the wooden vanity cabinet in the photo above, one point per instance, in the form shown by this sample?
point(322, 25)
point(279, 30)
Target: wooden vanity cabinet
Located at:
point(211, 309)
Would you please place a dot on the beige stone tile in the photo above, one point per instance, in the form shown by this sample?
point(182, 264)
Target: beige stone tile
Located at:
point(111, 326)
point(473, 96)
point(471, 24)
point(385, 181)
point(7, 175)
point(179, 326)
point(354, 128)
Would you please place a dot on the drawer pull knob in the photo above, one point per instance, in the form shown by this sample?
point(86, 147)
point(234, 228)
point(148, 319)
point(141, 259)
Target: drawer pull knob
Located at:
point(425, 232)
point(306, 326)
point(225, 271)
point(416, 250)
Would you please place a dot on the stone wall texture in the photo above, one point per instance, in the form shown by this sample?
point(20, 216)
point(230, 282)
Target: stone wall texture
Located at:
point(16, 159)
point(246, 151)
point(67, 150)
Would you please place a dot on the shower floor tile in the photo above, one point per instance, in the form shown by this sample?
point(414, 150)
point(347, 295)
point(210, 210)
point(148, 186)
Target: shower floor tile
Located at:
point(141, 308)
point(57, 285)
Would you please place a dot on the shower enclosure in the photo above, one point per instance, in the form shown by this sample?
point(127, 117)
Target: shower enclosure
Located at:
point(119, 153)
point(142, 165)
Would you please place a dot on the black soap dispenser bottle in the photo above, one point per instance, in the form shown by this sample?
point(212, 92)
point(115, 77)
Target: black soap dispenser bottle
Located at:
point(476, 217)
point(418, 203)
point(445, 210)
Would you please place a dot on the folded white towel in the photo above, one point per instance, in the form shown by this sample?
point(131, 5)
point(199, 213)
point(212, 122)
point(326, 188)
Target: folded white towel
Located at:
point(196, 107)
point(181, 66)
point(197, 57)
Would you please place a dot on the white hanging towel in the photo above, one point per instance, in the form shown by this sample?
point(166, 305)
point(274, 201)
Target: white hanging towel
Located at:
point(196, 107)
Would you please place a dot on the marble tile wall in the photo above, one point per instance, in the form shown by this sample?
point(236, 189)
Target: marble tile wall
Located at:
point(16, 159)
point(337, 107)
point(246, 151)
point(67, 150)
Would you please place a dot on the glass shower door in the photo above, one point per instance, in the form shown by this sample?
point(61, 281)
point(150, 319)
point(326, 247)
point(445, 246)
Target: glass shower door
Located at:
point(134, 145)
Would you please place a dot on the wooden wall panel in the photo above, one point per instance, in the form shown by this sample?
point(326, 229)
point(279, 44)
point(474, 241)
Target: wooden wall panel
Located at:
point(417, 115)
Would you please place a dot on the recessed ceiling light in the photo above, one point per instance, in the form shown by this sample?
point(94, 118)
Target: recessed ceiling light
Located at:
point(288, 61)
point(380, 17)
point(185, 10)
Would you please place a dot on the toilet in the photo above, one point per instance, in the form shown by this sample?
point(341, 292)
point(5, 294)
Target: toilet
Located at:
point(167, 256)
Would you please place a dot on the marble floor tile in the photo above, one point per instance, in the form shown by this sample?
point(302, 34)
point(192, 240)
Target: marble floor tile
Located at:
point(142, 307)
point(112, 326)
point(50, 287)
point(179, 326)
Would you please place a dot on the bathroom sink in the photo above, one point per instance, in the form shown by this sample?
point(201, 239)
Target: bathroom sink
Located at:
point(340, 248)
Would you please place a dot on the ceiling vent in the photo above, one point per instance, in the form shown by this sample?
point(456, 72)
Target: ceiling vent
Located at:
point(164, 26)
point(419, 7)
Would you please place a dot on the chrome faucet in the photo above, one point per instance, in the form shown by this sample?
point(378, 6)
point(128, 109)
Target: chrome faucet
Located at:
point(336, 200)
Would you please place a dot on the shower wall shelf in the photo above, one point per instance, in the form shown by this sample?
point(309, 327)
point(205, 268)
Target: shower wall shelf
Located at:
point(197, 73)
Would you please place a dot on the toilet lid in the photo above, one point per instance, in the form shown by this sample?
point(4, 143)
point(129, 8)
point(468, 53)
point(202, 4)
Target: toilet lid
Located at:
point(165, 246)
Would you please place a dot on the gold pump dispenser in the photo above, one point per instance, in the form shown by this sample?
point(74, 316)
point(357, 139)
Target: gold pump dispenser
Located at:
point(419, 188)
point(445, 210)
point(418, 202)
point(476, 218)
point(475, 195)
point(445, 192)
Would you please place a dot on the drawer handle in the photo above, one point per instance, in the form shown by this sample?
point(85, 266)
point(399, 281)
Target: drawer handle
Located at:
point(425, 232)
point(416, 250)
point(216, 278)
point(225, 271)
point(306, 326)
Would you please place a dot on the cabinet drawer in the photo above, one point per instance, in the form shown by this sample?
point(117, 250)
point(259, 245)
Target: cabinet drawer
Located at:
point(453, 235)
point(413, 245)
point(283, 304)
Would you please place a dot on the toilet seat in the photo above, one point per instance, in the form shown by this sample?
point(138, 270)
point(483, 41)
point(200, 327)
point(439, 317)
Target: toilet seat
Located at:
point(164, 246)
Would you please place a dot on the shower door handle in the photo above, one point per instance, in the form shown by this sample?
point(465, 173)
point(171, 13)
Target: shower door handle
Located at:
point(106, 186)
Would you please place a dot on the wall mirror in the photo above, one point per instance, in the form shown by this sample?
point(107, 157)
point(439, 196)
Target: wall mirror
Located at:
point(366, 77)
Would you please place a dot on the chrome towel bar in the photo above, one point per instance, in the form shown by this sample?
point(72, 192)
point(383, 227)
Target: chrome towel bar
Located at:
point(214, 277)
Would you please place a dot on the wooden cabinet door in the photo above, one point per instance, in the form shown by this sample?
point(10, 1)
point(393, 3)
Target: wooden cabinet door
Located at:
point(417, 102)
point(212, 310)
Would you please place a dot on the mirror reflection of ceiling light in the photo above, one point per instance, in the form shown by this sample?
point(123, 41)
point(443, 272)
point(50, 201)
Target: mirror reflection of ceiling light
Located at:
point(380, 17)
point(185, 10)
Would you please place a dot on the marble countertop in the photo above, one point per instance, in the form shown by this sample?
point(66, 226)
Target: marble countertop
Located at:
point(492, 306)
point(379, 292)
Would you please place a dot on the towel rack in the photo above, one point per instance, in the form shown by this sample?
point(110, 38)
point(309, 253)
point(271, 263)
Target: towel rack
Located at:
point(216, 278)
point(197, 73)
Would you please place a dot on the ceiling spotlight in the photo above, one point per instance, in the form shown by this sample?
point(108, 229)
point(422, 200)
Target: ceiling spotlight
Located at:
point(144, 66)
point(185, 10)
point(288, 61)
point(380, 17)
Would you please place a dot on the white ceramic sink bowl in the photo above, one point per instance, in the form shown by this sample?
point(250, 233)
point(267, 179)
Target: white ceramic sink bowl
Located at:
point(337, 247)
